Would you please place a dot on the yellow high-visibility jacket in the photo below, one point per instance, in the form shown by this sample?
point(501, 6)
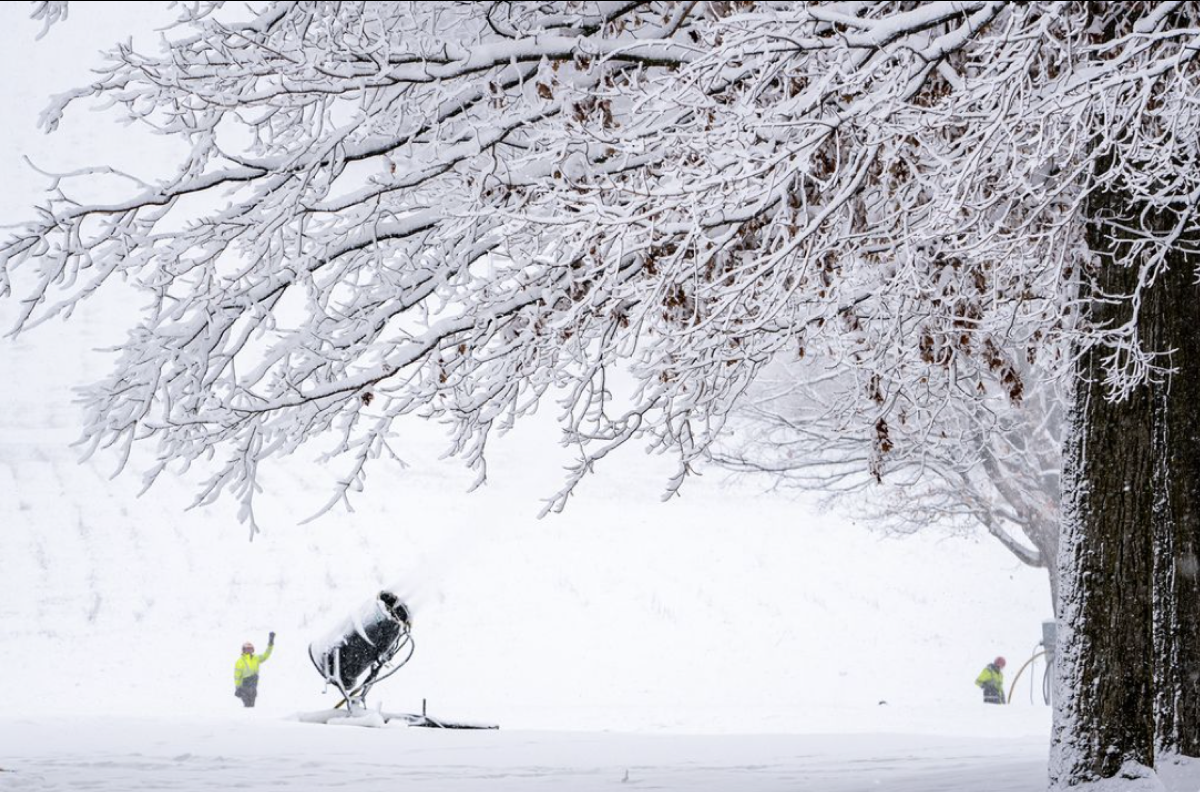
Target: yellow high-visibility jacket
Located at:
point(991, 677)
point(247, 665)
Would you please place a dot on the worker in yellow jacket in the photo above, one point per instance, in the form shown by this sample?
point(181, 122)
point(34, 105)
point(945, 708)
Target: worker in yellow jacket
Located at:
point(991, 679)
point(245, 671)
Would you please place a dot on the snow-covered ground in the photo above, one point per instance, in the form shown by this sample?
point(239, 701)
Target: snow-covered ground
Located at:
point(728, 639)
point(249, 753)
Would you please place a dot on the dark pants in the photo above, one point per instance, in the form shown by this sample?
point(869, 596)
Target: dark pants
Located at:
point(992, 696)
point(248, 690)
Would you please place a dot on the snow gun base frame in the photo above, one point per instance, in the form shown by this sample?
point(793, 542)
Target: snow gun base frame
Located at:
point(366, 717)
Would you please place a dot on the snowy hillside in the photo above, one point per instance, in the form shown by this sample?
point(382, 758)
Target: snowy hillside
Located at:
point(725, 609)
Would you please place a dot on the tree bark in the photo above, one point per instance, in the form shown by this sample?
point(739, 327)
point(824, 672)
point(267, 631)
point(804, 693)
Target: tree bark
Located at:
point(1127, 674)
point(1173, 325)
point(1104, 713)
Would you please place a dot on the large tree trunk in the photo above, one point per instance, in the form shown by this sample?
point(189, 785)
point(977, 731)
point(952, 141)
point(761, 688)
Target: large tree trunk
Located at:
point(1104, 691)
point(1173, 324)
point(1130, 622)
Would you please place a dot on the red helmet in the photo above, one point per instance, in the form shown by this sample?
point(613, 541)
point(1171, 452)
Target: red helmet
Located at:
point(999, 662)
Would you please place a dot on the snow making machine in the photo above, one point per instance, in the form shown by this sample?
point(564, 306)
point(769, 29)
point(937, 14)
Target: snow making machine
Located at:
point(368, 647)
point(374, 643)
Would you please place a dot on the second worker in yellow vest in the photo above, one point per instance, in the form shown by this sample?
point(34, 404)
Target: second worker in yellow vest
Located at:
point(991, 679)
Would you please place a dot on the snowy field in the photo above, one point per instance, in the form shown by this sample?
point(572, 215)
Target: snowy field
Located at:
point(731, 639)
point(234, 753)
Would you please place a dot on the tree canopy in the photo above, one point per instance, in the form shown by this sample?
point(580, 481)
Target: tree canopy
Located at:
point(460, 209)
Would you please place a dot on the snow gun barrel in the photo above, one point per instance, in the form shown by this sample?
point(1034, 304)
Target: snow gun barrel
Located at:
point(355, 653)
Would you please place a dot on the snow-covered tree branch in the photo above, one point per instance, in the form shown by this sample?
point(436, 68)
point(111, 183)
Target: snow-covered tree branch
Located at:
point(386, 209)
point(984, 462)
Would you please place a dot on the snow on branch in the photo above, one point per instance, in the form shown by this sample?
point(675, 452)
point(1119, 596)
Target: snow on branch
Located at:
point(50, 12)
point(459, 210)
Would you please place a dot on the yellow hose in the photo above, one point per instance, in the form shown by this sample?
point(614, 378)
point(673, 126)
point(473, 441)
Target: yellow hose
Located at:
point(1017, 678)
